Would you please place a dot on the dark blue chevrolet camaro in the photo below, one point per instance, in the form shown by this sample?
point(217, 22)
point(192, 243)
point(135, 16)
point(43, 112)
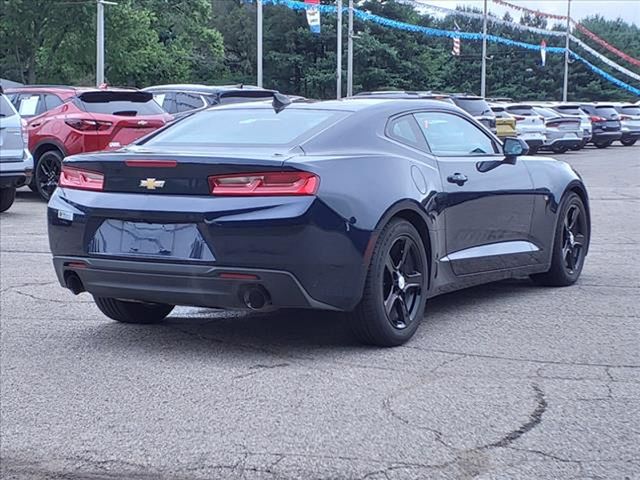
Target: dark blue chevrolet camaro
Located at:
point(366, 206)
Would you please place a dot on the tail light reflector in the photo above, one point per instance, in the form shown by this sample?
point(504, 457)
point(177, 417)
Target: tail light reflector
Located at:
point(88, 125)
point(25, 132)
point(595, 118)
point(71, 177)
point(264, 184)
point(519, 118)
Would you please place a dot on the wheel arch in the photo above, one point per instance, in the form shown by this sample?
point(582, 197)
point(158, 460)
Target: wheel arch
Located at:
point(46, 146)
point(579, 189)
point(410, 211)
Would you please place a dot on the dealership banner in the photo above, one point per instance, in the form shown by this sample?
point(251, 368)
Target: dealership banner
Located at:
point(313, 15)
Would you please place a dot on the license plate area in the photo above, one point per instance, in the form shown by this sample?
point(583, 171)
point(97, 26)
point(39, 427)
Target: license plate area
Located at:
point(176, 241)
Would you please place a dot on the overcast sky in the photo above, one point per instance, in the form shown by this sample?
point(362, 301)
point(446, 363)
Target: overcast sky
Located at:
point(628, 10)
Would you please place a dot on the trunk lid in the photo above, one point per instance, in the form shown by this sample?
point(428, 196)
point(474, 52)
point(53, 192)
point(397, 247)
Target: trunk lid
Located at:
point(171, 173)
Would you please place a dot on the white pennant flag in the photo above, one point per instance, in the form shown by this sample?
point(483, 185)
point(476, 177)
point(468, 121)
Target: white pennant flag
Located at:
point(543, 52)
point(313, 16)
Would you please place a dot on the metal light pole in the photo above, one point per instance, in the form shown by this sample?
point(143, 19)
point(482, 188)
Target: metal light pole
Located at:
point(350, 52)
point(100, 41)
point(483, 75)
point(565, 88)
point(259, 49)
point(339, 52)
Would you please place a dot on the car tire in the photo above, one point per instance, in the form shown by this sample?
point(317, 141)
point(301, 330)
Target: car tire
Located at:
point(628, 143)
point(47, 173)
point(560, 149)
point(7, 197)
point(394, 296)
point(133, 312)
point(603, 144)
point(570, 245)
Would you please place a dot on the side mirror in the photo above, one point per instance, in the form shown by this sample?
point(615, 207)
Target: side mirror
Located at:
point(514, 147)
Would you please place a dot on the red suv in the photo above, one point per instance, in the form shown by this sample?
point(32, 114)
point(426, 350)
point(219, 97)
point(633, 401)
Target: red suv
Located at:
point(63, 121)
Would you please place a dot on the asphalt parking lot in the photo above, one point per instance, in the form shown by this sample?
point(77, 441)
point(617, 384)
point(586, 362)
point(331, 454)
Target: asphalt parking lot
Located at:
point(504, 381)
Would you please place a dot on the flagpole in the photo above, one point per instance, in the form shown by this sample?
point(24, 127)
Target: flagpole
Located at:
point(339, 51)
point(350, 52)
point(565, 86)
point(483, 75)
point(259, 50)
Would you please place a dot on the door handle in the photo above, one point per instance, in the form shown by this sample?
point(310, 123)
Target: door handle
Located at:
point(457, 178)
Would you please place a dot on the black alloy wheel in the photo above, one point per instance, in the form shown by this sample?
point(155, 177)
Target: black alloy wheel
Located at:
point(629, 143)
point(395, 291)
point(560, 149)
point(570, 245)
point(402, 282)
point(573, 238)
point(603, 144)
point(47, 173)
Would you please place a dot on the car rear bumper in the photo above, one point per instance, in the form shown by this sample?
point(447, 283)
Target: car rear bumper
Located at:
point(183, 284)
point(16, 172)
point(599, 137)
point(564, 142)
point(299, 237)
point(630, 135)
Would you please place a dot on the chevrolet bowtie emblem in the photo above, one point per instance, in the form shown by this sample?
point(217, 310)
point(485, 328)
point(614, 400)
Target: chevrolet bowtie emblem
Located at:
point(151, 183)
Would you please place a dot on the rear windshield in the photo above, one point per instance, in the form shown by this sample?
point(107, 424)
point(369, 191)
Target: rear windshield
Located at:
point(245, 126)
point(524, 110)
point(5, 107)
point(569, 110)
point(608, 111)
point(629, 110)
point(130, 104)
point(545, 112)
point(474, 106)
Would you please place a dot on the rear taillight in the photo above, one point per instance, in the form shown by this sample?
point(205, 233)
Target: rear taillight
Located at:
point(71, 177)
point(25, 132)
point(88, 125)
point(625, 117)
point(595, 119)
point(264, 184)
point(553, 124)
point(519, 118)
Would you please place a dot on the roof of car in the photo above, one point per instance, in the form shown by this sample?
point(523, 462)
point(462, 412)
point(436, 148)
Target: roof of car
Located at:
point(387, 105)
point(205, 89)
point(67, 89)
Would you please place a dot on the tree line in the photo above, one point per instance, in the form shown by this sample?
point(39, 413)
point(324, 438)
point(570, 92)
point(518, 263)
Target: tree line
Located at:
point(150, 42)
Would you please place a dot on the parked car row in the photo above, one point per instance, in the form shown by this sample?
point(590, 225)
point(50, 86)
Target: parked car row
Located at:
point(59, 121)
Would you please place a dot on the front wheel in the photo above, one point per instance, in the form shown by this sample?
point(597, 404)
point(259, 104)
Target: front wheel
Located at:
point(132, 312)
point(395, 291)
point(7, 197)
point(629, 143)
point(570, 245)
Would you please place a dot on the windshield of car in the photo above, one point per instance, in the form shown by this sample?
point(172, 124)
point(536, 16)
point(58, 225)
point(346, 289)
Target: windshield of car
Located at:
point(474, 106)
point(545, 112)
point(5, 107)
point(523, 110)
point(569, 110)
point(629, 110)
point(245, 127)
point(607, 111)
point(120, 103)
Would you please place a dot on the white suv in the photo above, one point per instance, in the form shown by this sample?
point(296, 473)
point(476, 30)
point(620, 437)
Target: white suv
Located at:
point(16, 163)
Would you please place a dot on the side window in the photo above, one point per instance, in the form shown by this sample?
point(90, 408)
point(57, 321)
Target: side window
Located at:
point(449, 134)
point(167, 101)
point(188, 101)
point(27, 105)
point(51, 101)
point(404, 130)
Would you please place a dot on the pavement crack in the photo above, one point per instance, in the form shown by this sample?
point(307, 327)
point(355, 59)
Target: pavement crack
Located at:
point(534, 419)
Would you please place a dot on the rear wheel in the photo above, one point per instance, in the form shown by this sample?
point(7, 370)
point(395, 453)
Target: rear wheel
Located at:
point(570, 245)
point(47, 173)
point(7, 196)
point(132, 312)
point(395, 292)
point(560, 149)
point(602, 144)
point(629, 143)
